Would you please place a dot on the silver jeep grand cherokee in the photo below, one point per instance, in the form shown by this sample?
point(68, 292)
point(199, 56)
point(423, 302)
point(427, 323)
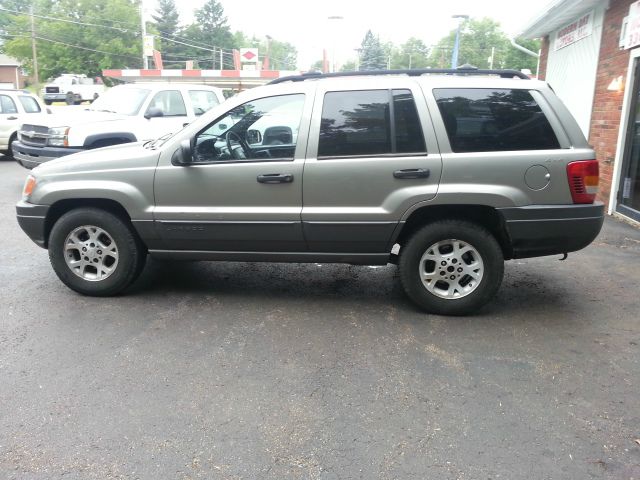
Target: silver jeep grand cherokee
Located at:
point(447, 173)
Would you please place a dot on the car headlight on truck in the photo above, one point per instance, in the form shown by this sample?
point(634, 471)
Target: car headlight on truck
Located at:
point(58, 137)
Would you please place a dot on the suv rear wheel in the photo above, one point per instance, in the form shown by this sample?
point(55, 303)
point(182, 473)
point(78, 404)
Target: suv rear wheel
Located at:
point(451, 267)
point(95, 252)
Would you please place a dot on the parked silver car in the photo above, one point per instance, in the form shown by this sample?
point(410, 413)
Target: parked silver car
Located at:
point(447, 173)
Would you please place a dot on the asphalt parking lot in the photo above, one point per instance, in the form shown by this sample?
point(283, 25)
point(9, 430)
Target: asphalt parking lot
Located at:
point(258, 371)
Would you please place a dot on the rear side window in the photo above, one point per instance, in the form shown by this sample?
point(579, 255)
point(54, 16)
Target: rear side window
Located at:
point(369, 122)
point(170, 102)
point(29, 104)
point(202, 100)
point(7, 105)
point(490, 120)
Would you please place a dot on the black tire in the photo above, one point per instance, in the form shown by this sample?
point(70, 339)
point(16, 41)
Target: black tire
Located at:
point(132, 253)
point(95, 97)
point(472, 234)
point(70, 98)
point(48, 102)
point(8, 155)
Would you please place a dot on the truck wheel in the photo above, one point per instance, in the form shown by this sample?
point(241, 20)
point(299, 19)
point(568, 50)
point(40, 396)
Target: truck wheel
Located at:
point(70, 98)
point(95, 252)
point(95, 97)
point(8, 155)
point(48, 102)
point(451, 267)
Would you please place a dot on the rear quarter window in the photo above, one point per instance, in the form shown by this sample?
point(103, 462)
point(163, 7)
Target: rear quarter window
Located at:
point(490, 120)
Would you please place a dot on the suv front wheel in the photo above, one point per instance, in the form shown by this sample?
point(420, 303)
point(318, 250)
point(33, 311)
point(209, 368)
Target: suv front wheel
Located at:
point(451, 267)
point(95, 252)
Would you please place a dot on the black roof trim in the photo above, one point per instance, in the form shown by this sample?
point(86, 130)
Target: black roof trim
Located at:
point(411, 73)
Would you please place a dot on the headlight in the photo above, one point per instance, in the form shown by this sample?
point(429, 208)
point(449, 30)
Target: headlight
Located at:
point(59, 136)
point(29, 186)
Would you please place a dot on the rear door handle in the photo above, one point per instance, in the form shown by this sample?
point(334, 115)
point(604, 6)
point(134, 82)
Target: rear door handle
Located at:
point(275, 178)
point(412, 173)
point(12, 118)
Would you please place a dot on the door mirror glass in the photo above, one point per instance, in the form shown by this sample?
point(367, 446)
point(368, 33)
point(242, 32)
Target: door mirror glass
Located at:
point(183, 155)
point(254, 137)
point(153, 112)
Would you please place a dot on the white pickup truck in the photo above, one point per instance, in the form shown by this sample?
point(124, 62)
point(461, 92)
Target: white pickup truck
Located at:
point(124, 114)
point(71, 88)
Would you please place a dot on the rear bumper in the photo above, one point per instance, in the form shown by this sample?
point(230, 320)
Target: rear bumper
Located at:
point(31, 219)
point(539, 230)
point(55, 96)
point(31, 157)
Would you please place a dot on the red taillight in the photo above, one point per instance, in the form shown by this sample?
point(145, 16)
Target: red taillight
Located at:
point(583, 179)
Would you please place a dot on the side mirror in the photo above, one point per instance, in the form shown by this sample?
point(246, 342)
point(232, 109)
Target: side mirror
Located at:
point(153, 112)
point(183, 156)
point(254, 137)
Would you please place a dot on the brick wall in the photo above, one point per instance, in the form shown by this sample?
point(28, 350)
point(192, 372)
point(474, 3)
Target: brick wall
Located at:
point(607, 104)
point(8, 74)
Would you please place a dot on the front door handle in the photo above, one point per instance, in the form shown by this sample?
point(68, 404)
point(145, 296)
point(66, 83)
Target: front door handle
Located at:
point(412, 173)
point(275, 178)
point(12, 118)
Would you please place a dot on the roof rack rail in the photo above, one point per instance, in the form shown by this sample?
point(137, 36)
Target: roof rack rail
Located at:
point(411, 73)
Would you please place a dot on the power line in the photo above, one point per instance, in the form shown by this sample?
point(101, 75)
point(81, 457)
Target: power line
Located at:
point(45, 17)
point(72, 46)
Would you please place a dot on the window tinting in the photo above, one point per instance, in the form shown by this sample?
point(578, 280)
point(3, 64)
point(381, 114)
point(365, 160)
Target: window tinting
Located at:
point(356, 123)
point(489, 120)
point(408, 131)
point(7, 105)
point(29, 104)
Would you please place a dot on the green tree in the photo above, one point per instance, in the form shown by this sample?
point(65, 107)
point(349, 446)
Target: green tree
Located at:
point(411, 54)
point(167, 23)
point(86, 46)
point(479, 38)
point(211, 29)
point(518, 60)
point(349, 66)
point(316, 66)
point(283, 55)
point(373, 56)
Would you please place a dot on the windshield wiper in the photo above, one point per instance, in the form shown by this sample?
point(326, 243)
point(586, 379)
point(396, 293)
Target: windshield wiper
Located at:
point(154, 142)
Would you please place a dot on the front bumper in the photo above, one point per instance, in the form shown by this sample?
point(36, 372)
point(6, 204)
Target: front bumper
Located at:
point(31, 157)
point(539, 230)
point(32, 220)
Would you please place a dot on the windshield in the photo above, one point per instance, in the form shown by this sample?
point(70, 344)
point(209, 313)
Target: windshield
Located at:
point(125, 101)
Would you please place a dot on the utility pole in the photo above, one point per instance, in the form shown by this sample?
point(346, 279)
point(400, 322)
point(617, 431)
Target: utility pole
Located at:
point(36, 79)
point(221, 60)
point(493, 53)
point(456, 45)
point(143, 27)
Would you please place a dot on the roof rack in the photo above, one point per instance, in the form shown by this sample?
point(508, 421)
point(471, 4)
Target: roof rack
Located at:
point(411, 73)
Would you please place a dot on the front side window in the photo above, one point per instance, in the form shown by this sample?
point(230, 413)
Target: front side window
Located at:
point(169, 102)
point(29, 104)
point(202, 100)
point(7, 105)
point(369, 122)
point(490, 120)
point(122, 100)
point(263, 129)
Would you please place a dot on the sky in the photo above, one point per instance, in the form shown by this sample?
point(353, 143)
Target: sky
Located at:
point(305, 23)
